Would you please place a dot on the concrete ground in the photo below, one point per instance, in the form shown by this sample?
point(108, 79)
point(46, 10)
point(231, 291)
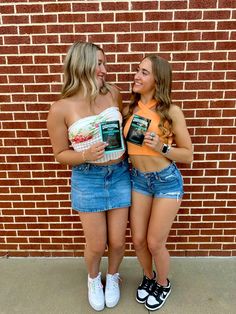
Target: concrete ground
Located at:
point(58, 286)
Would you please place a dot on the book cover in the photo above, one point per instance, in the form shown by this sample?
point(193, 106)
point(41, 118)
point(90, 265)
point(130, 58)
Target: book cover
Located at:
point(111, 134)
point(137, 130)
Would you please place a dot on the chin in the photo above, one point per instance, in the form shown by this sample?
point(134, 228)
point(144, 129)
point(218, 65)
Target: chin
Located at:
point(100, 83)
point(136, 90)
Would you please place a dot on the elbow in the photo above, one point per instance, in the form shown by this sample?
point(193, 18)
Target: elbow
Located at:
point(190, 157)
point(59, 158)
point(189, 160)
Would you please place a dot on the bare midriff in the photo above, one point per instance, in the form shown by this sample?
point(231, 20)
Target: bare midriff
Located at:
point(149, 163)
point(110, 162)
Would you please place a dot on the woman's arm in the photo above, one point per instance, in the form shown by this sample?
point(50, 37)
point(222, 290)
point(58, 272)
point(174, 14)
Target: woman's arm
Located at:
point(183, 151)
point(58, 133)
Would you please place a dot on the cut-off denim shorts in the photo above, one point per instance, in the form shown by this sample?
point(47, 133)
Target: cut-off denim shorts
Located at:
point(167, 183)
point(99, 188)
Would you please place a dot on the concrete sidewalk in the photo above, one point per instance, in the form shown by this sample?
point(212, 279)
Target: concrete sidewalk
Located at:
point(58, 286)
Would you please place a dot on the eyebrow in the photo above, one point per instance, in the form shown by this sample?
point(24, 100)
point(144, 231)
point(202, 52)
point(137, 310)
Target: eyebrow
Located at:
point(145, 70)
point(100, 60)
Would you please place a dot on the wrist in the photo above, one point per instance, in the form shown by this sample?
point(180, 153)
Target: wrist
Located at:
point(84, 156)
point(165, 149)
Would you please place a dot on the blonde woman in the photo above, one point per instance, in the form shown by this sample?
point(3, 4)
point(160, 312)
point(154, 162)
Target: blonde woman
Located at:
point(157, 136)
point(100, 182)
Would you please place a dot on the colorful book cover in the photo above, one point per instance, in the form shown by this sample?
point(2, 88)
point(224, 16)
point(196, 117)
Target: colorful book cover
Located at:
point(137, 130)
point(111, 134)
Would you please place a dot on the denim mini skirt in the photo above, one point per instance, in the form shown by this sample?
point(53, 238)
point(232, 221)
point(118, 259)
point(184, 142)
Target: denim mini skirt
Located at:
point(99, 188)
point(167, 183)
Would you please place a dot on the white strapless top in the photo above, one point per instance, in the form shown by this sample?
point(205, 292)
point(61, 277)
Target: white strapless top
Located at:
point(84, 132)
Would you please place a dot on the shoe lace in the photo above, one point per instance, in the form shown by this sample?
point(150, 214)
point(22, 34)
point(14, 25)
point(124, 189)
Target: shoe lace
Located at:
point(147, 284)
point(114, 281)
point(157, 290)
point(96, 284)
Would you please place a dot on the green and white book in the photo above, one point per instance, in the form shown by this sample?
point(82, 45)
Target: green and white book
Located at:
point(111, 134)
point(137, 130)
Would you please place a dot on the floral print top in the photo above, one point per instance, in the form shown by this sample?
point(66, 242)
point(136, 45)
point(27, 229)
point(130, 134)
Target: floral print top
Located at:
point(85, 132)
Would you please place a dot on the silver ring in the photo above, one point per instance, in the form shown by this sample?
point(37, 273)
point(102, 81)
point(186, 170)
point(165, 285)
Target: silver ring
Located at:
point(152, 134)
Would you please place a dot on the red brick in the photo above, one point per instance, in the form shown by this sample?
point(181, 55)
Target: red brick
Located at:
point(7, 9)
point(62, 7)
point(86, 7)
point(14, 19)
point(128, 17)
point(50, 18)
point(226, 25)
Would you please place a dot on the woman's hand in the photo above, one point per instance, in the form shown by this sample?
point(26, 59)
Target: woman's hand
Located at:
point(95, 152)
point(153, 141)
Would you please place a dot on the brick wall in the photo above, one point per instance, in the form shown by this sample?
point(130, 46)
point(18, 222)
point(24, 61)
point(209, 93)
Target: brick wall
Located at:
point(197, 36)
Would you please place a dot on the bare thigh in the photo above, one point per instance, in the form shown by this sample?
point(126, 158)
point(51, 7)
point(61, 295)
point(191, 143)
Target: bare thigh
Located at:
point(116, 224)
point(163, 213)
point(139, 215)
point(95, 228)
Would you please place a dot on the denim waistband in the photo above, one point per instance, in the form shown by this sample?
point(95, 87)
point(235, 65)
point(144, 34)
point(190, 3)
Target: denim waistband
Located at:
point(88, 166)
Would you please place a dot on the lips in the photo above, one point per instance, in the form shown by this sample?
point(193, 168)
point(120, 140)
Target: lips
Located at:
point(137, 86)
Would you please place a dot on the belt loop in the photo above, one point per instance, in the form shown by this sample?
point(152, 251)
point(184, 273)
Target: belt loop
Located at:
point(135, 172)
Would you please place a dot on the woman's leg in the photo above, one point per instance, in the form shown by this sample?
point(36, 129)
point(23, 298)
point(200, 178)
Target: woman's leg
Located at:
point(116, 229)
point(139, 220)
point(162, 216)
point(95, 231)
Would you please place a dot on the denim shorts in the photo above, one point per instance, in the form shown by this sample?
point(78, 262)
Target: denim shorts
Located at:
point(167, 183)
point(99, 188)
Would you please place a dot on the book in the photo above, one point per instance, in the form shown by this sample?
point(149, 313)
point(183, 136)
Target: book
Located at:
point(137, 130)
point(111, 134)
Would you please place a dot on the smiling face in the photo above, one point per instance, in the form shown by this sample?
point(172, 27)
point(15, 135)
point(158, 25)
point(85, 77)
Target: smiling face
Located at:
point(144, 81)
point(100, 69)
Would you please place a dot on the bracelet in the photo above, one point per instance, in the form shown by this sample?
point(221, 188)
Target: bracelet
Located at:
point(83, 156)
point(165, 149)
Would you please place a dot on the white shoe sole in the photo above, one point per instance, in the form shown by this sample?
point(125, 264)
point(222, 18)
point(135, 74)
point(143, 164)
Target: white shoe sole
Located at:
point(158, 307)
point(111, 303)
point(97, 307)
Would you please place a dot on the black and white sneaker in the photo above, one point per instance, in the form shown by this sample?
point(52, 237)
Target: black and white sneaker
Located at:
point(145, 288)
point(158, 296)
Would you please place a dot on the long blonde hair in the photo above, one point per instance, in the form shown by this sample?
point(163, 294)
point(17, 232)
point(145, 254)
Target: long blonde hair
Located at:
point(162, 73)
point(79, 71)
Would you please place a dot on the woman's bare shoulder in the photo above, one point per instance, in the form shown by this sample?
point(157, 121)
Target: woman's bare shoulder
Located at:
point(60, 107)
point(175, 112)
point(174, 109)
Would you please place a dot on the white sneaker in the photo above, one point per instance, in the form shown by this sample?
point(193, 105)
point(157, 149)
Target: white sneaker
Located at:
point(112, 290)
point(95, 293)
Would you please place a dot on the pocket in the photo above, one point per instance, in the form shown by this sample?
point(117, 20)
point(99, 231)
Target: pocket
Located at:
point(168, 177)
point(133, 173)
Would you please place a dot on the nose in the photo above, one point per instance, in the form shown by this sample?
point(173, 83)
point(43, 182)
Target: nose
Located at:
point(103, 69)
point(137, 75)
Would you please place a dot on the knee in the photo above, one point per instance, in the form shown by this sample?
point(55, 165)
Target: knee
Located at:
point(139, 243)
point(155, 246)
point(118, 245)
point(98, 249)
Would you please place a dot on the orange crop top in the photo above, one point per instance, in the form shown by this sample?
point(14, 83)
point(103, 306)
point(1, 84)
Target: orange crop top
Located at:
point(146, 112)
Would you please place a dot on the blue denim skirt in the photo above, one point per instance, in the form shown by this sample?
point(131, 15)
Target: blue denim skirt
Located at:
point(167, 183)
point(99, 188)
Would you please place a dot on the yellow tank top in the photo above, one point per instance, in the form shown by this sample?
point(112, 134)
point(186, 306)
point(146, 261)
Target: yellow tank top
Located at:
point(146, 112)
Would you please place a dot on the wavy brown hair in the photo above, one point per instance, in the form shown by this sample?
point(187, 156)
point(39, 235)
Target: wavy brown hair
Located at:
point(162, 73)
point(79, 70)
